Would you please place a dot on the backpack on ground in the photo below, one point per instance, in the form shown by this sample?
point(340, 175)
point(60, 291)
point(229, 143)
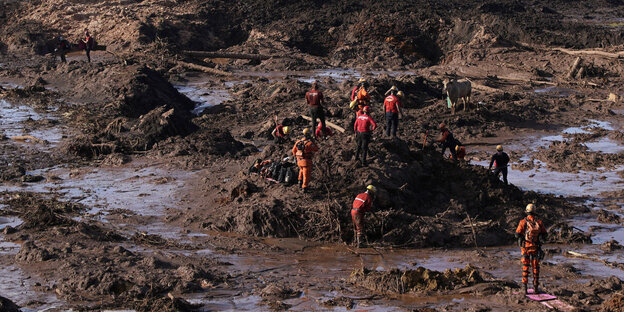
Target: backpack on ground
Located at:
point(533, 229)
point(274, 171)
point(291, 176)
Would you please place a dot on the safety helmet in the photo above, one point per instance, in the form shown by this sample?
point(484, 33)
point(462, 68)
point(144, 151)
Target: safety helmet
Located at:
point(362, 80)
point(394, 88)
point(530, 208)
point(400, 94)
point(442, 126)
point(499, 148)
point(371, 188)
point(286, 129)
point(306, 131)
point(366, 109)
point(457, 148)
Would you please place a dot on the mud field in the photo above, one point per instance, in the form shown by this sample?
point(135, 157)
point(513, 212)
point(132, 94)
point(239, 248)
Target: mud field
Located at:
point(124, 182)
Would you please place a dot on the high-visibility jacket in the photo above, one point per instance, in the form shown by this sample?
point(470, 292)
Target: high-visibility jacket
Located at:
point(304, 158)
point(522, 228)
point(362, 203)
point(392, 104)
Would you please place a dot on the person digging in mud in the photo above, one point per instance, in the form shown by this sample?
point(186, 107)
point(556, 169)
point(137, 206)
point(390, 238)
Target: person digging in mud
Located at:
point(363, 127)
point(88, 43)
point(362, 203)
point(304, 150)
point(323, 133)
point(530, 234)
point(392, 106)
point(460, 152)
point(447, 140)
point(500, 160)
point(280, 133)
point(361, 82)
point(315, 99)
point(63, 47)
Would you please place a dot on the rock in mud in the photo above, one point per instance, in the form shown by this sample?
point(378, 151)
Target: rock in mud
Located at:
point(32, 253)
point(7, 305)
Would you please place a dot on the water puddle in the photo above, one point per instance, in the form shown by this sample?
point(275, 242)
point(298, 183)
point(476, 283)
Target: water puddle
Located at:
point(554, 91)
point(15, 118)
point(203, 95)
point(18, 287)
point(603, 145)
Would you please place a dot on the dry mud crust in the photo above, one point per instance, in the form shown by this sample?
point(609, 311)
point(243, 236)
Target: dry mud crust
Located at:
point(130, 108)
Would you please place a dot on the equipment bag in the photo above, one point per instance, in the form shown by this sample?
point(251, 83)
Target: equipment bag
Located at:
point(533, 229)
point(275, 170)
point(290, 177)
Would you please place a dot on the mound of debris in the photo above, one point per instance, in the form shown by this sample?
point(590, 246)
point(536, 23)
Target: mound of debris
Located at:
point(414, 281)
point(572, 156)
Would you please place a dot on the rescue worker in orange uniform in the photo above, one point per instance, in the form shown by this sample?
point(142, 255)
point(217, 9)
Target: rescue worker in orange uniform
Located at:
point(315, 100)
point(363, 127)
point(362, 204)
point(304, 150)
point(530, 233)
point(363, 97)
point(460, 152)
point(392, 106)
point(447, 140)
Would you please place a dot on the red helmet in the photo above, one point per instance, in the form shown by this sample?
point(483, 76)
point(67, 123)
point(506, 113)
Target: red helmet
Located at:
point(366, 109)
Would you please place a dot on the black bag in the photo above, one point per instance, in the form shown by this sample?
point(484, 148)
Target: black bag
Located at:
point(282, 175)
point(275, 170)
point(290, 177)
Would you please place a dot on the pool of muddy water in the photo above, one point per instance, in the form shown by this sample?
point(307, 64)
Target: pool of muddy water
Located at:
point(15, 118)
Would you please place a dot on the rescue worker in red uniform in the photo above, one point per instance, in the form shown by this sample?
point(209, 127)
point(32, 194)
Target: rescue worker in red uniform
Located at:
point(315, 99)
point(89, 43)
point(392, 106)
point(362, 204)
point(323, 133)
point(63, 48)
point(447, 140)
point(530, 234)
point(364, 125)
point(280, 133)
point(460, 152)
point(304, 150)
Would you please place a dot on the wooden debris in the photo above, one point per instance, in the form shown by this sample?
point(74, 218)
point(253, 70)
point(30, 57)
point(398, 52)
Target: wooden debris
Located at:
point(591, 52)
point(330, 124)
point(574, 68)
point(205, 69)
point(244, 56)
point(29, 138)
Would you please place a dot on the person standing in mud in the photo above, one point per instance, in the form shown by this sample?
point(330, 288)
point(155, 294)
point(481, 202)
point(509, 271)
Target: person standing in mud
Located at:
point(392, 106)
point(447, 140)
point(315, 99)
point(500, 160)
point(362, 203)
point(304, 150)
point(530, 234)
point(364, 125)
point(88, 43)
point(63, 47)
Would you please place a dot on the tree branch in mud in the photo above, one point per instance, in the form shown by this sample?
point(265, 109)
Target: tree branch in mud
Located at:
point(204, 69)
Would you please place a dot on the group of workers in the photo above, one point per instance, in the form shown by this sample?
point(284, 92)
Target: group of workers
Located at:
point(63, 46)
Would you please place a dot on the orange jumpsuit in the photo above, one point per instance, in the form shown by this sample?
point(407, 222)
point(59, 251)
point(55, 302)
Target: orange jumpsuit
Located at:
point(304, 160)
point(529, 250)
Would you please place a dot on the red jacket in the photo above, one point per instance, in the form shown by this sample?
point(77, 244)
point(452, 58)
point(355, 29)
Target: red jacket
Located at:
point(279, 131)
point(392, 104)
point(362, 203)
point(364, 123)
point(320, 133)
point(354, 93)
point(314, 98)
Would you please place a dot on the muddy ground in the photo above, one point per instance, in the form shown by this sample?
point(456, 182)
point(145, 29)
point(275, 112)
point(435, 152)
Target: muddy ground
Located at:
point(125, 181)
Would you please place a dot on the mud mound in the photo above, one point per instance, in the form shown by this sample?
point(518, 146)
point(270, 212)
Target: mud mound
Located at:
point(614, 304)
point(7, 305)
point(572, 157)
point(415, 281)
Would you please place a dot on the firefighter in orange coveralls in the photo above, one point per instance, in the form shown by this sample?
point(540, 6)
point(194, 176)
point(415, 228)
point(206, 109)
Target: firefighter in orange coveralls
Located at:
point(304, 150)
point(362, 203)
point(530, 233)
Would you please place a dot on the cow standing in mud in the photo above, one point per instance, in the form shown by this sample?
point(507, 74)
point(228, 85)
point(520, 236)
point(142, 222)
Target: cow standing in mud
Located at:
point(456, 89)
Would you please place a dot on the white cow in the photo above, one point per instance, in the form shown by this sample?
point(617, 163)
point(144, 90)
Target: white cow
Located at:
point(456, 89)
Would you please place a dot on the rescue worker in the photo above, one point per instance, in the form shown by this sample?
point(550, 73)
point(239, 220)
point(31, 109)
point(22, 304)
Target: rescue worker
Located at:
point(63, 47)
point(89, 44)
point(315, 99)
point(500, 160)
point(363, 127)
point(530, 234)
point(280, 133)
point(323, 133)
point(363, 97)
point(447, 140)
point(460, 152)
point(304, 150)
point(392, 106)
point(392, 89)
point(363, 203)
point(361, 82)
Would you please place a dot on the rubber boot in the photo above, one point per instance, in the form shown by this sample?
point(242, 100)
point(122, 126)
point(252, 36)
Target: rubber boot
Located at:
point(525, 289)
point(536, 288)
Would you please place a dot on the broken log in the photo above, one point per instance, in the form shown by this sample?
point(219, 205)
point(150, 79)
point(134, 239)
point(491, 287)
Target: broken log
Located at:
point(574, 68)
point(205, 69)
point(244, 56)
point(481, 87)
point(30, 138)
point(591, 52)
point(575, 254)
point(330, 124)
